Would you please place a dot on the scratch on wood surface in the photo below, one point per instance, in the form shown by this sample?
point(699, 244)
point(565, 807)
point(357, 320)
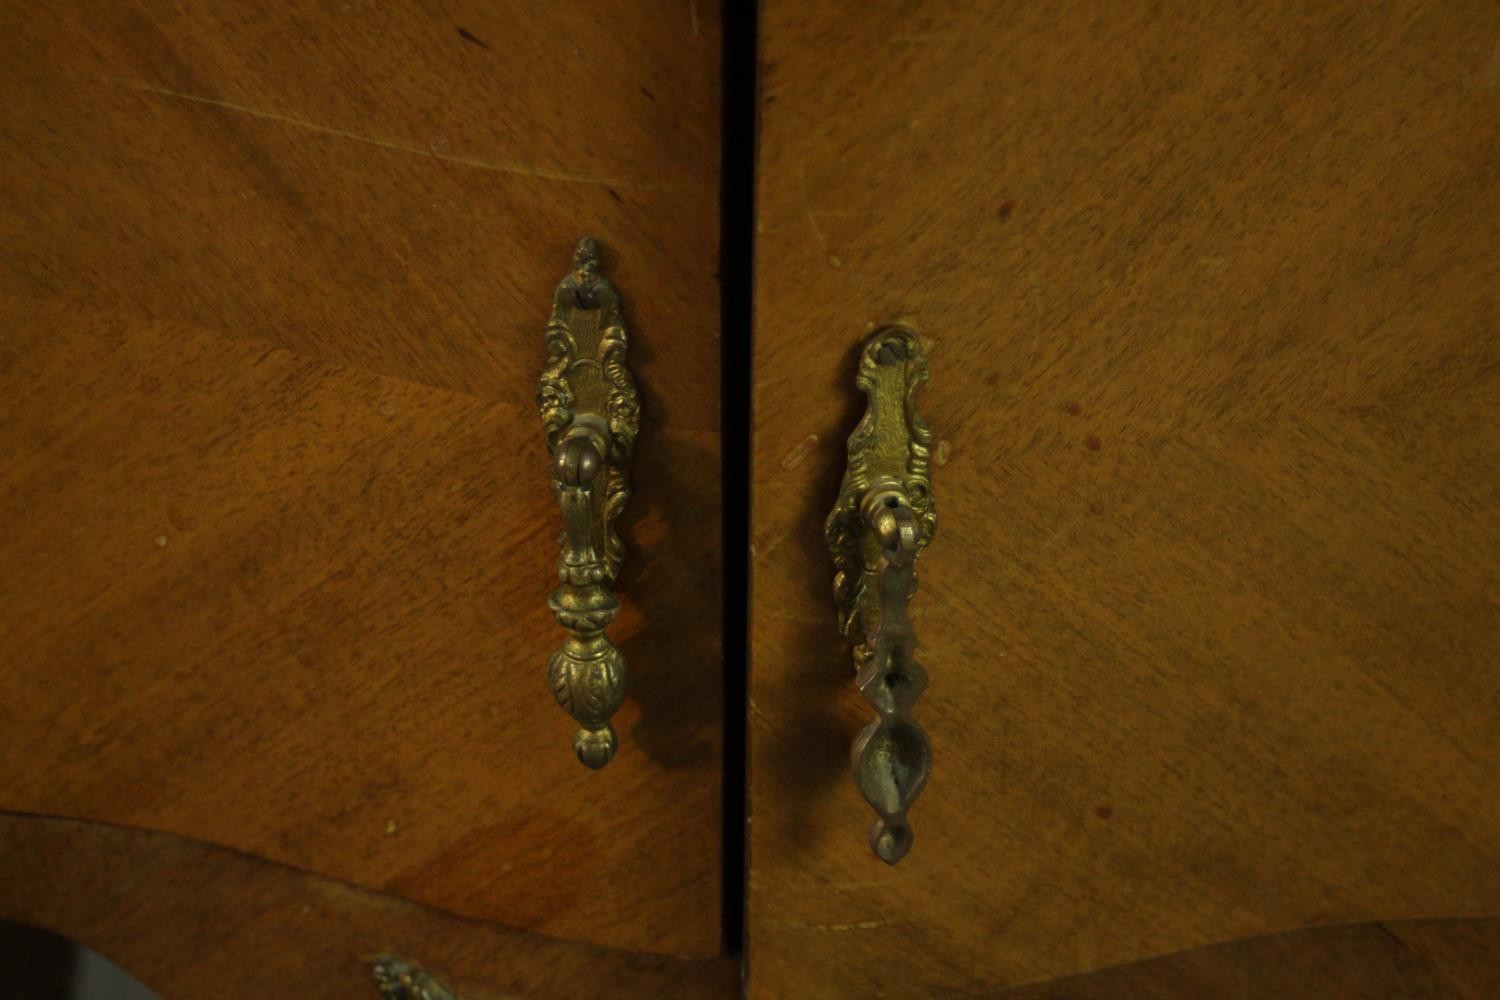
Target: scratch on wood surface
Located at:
point(862, 925)
point(796, 455)
point(807, 617)
point(759, 552)
point(519, 169)
point(1054, 537)
point(767, 382)
point(693, 13)
point(812, 217)
point(845, 886)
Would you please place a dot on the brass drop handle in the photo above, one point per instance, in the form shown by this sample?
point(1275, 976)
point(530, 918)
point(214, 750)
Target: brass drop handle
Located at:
point(591, 412)
point(399, 980)
point(883, 520)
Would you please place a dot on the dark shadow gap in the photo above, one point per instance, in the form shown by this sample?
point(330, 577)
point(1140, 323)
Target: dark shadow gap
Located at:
point(40, 965)
point(736, 288)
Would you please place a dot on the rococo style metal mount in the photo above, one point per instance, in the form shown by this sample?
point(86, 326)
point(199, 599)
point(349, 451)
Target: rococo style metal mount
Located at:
point(883, 520)
point(398, 980)
point(591, 412)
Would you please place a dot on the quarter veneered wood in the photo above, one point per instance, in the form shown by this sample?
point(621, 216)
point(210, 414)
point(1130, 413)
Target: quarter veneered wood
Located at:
point(279, 534)
point(188, 919)
point(1407, 960)
point(1212, 622)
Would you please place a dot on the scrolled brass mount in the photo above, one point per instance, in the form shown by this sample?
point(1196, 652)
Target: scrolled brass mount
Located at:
point(398, 980)
point(591, 412)
point(883, 520)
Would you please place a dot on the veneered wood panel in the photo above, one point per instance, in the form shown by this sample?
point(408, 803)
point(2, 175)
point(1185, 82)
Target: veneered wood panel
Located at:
point(279, 533)
point(1410, 960)
point(375, 188)
point(192, 919)
point(1211, 617)
point(189, 919)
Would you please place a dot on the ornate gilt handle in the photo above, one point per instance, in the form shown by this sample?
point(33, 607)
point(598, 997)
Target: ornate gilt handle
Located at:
point(591, 412)
point(398, 980)
point(883, 520)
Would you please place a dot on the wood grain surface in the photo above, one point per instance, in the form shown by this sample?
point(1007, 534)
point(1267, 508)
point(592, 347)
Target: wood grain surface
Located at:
point(278, 536)
point(1213, 614)
point(192, 920)
point(189, 919)
point(1408, 960)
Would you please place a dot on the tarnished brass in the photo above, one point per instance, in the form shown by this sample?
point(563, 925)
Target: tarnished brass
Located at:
point(398, 980)
point(591, 412)
point(883, 520)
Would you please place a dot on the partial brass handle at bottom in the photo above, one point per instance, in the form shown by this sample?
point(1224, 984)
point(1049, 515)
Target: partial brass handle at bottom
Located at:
point(883, 520)
point(398, 980)
point(591, 413)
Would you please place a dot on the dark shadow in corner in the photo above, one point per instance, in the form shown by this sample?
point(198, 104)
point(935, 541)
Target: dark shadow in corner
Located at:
point(41, 965)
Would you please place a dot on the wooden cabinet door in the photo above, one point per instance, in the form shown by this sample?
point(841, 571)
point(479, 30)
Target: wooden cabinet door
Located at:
point(1209, 296)
point(278, 531)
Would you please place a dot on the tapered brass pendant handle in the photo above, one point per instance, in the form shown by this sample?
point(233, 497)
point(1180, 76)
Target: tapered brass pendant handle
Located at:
point(591, 412)
point(884, 518)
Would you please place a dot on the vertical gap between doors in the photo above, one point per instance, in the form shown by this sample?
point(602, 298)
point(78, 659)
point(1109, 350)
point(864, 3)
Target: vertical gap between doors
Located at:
point(736, 286)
